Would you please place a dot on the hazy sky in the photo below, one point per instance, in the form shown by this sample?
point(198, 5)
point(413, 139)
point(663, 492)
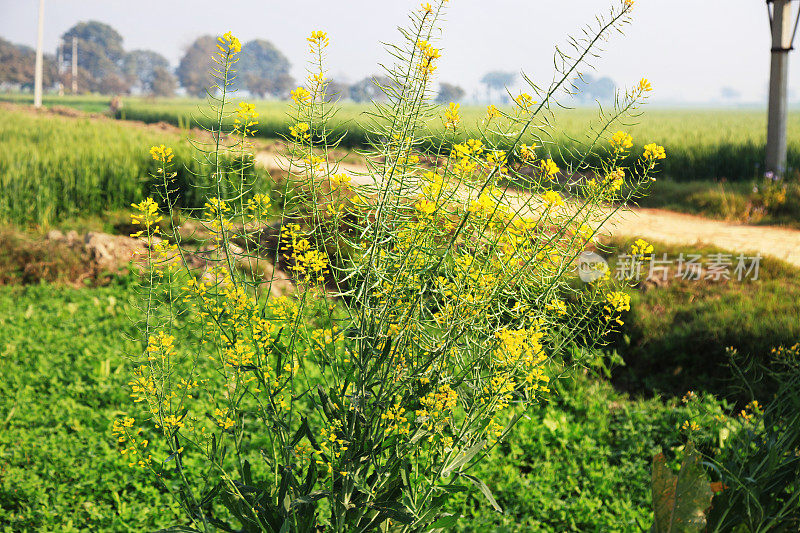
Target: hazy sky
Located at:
point(689, 49)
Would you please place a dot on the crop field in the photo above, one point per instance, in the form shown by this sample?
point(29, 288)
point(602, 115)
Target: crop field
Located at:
point(703, 144)
point(83, 166)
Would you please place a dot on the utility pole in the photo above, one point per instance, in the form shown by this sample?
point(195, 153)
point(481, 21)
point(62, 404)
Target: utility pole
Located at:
point(59, 69)
point(783, 29)
point(37, 83)
point(74, 65)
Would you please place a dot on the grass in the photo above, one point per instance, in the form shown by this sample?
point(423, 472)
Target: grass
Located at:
point(745, 202)
point(701, 144)
point(56, 167)
point(674, 337)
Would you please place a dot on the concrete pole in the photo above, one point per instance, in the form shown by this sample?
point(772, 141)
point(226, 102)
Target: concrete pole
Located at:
point(782, 27)
point(74, 65)
point(59, 63)
point(37, 83)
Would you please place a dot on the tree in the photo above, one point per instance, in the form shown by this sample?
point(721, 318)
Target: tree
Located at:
point(449, 93)
point(498, 80)
point(729, 93)
point(142, 67)
point(164, 82)
point(591, 88)
point(193, 70)
point(369, 89)
point(100, 54)
point(17, 65)
point(263, 69)
point(336, 90)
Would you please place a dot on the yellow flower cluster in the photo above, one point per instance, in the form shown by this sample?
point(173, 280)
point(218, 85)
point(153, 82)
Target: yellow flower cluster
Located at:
point(146, 215)
point(160, 346)
point(527, 153)
point(311, 265)
point(552, 198)
point(452, 116)
point(395, 419)
point(621, 141)
point(524, 101)
point(229, 44)
point(125, 432)
point(611, 183)
point(245, 119)
point(549, 168)
point(690, 426)
point(641, 248)
point(492, 111)
point(318, 40)
point(437, 410)
point(300, 131)
point(429, 55)
point(653, 151)
point(300, 96)
point(161, 153)
point(259, 205)
point(617, 302)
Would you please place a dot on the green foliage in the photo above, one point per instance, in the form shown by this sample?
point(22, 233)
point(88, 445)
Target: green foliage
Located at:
point(680, 501)
point(759, 469)
point(582, 461)
point(62, 354)
point(668, 326)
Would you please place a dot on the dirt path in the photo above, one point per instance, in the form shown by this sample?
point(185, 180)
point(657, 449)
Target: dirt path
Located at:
point(659, 225)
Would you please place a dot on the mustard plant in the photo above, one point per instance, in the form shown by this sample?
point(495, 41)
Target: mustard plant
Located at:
point(430, 310)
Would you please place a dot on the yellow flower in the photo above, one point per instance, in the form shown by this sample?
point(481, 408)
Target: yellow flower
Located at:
point(492, 111)
point(690, 426)
point(525, 101)
point(340, 179)
point(246, 116)
point(653, 151)
point(300, 95)
point(617, 302)
point(641, 247)
point(426, 207)
point(549, 167)
point(300, 130)
point(429, 55)
point(147, 214)
point(451, 116)
point(426, 7)
point(644, 86)
point(229, 44)
point(318, 38)
point(552, 198)
point(621, 141)
point(527, 152)
point(161, 153)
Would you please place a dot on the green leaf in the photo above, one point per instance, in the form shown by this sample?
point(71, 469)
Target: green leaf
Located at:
point(485, 490)
point(394, 510)
point(680, 502)
point(464, 457)
point(447, 521)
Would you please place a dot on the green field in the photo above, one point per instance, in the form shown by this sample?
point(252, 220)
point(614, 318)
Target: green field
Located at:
point(56, 167)
point(701, 144)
